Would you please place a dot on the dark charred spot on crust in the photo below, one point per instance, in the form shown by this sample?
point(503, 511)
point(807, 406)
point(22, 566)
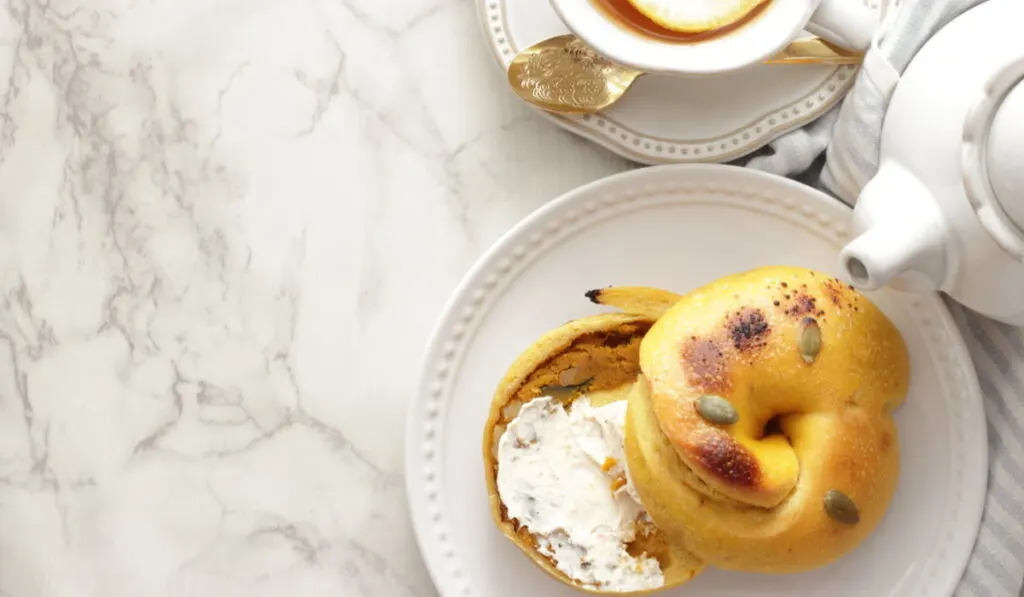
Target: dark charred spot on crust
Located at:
point(594, 295)
point(853, 401)
point(748, 330)
point(803, 304)
point(835, 290)
point(706, 363)
point(726, 459)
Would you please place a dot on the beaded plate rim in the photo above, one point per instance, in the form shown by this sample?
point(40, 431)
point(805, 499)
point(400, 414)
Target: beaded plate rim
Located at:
point(589, 205)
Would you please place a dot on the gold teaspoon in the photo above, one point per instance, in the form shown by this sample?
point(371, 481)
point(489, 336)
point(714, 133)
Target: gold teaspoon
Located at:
point(562, 74)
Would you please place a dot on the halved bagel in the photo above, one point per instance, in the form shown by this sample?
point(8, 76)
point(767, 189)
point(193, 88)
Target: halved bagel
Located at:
point(804, 466)
point(598, 356)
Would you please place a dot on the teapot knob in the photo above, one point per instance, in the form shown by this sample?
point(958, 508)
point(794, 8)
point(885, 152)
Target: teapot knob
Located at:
point(1005, 155)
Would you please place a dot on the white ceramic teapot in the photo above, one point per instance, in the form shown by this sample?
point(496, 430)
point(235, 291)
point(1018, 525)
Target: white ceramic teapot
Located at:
point(946, 208)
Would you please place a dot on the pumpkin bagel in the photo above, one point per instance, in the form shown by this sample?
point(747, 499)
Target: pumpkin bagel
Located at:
point(595, 360)
point(759, 434)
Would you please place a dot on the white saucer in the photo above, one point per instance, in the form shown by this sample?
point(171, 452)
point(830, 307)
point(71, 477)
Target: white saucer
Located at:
point(677, 227)
point(680, 120)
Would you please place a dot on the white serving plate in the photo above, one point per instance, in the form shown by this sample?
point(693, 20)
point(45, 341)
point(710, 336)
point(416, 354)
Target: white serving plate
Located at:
point(678, 227)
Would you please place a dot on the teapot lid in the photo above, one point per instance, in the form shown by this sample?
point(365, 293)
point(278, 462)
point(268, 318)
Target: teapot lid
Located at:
point(1004, 155)
point(993, 157)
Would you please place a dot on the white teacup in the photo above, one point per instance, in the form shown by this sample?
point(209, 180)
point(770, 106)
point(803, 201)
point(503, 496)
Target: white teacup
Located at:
point(848, 24)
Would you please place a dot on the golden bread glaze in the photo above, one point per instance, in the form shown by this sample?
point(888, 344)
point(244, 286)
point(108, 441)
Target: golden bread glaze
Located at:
point(605, 349)
point(749, 496)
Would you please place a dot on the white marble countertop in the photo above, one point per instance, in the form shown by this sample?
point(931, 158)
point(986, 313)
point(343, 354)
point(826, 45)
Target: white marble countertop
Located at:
point(226, 230)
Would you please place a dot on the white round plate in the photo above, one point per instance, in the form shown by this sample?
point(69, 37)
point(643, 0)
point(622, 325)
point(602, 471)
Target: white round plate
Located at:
point(679, 227)
point(666, 119)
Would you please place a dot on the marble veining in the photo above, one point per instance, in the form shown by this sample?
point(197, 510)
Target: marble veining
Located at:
point(226, 230)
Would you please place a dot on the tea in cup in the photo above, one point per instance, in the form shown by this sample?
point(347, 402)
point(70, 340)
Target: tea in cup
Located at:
point(711, 37)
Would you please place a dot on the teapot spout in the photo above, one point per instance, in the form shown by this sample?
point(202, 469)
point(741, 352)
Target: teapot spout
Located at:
point(899, 235)
point(890, 254)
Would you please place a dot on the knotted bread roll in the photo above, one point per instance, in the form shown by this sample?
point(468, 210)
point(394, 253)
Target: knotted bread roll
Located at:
point(759, 434)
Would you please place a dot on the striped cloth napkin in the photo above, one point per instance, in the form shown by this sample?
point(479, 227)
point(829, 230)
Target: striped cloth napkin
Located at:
point(849, 137)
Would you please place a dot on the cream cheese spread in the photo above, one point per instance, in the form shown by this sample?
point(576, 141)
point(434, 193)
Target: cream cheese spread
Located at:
point(562, 475)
